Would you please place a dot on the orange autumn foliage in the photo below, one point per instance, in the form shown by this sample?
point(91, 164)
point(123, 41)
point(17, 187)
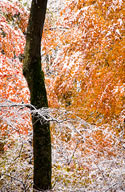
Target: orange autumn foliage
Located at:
point(86, 59)
point(13, 23)
point(88, 71)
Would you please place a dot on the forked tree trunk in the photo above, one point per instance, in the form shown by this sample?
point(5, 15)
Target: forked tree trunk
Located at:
point(35, 78)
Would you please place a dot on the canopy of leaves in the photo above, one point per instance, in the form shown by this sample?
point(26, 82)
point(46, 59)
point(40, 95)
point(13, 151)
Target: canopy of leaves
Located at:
point(13, 23)
point(88, 70)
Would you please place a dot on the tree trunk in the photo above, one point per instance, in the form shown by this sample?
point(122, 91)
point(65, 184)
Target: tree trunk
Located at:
point(35, 78)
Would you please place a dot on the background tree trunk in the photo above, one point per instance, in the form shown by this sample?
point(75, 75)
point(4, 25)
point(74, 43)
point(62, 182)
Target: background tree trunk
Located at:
point(35, 78)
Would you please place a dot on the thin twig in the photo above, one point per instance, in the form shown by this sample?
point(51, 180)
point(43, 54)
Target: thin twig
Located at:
point(73, 152)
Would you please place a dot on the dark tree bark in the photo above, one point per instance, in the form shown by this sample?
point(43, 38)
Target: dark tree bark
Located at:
point(35, 78)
